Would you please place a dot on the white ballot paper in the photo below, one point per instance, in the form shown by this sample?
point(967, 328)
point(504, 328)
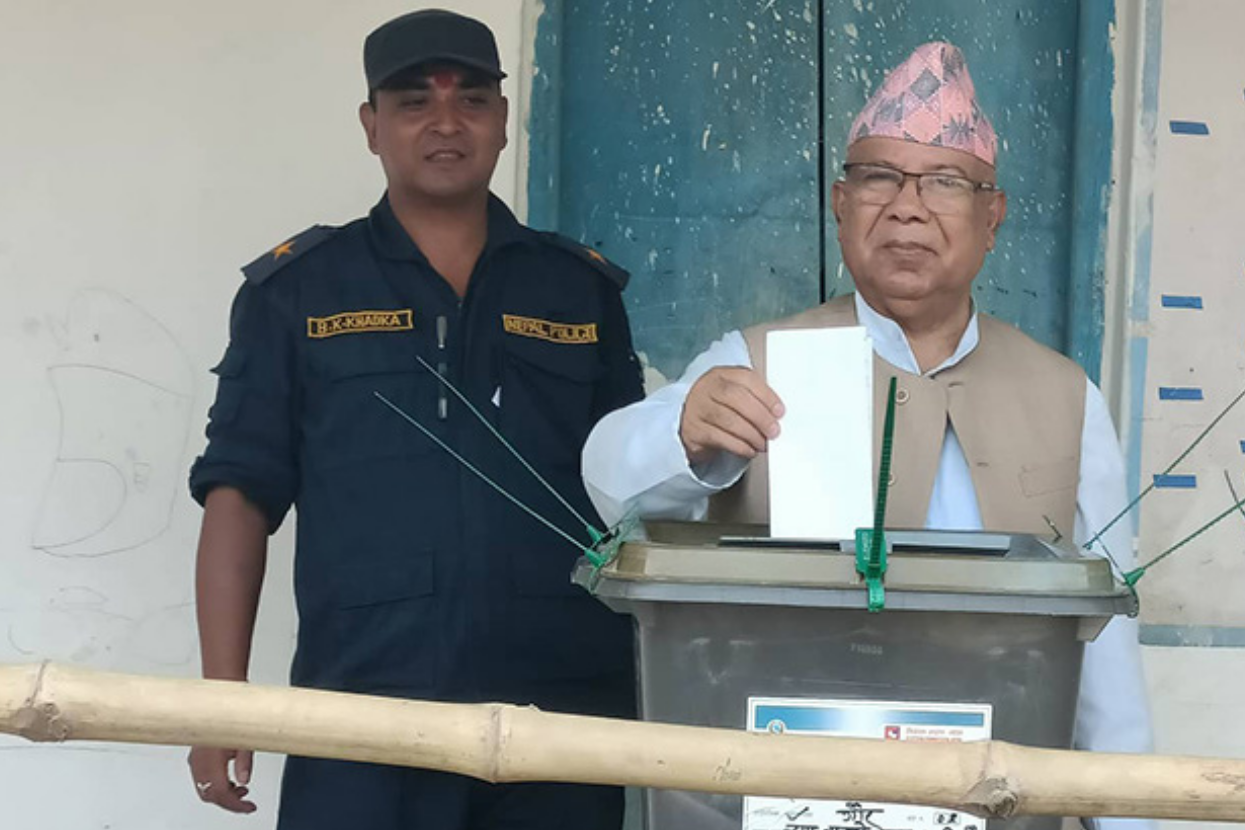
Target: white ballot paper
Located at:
point(821, 465)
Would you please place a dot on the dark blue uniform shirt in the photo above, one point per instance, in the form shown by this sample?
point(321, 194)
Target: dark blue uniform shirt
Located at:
point(412, 576)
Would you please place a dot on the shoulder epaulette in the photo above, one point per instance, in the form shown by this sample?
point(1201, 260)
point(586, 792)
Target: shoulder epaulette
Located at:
point(273, 261)
point(616, 273)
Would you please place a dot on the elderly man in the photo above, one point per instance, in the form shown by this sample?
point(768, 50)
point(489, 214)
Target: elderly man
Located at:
point(997, 432)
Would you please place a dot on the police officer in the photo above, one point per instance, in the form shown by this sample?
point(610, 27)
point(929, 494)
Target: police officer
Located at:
point(413, 577)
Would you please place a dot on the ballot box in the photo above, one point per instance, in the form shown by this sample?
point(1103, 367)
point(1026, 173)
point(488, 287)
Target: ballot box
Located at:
point(981, 636)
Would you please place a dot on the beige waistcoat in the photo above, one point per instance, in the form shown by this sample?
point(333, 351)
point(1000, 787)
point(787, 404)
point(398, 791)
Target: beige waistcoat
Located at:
point(1017, 409)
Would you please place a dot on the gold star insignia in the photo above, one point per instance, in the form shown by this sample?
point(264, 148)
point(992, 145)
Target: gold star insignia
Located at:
point(285, 248)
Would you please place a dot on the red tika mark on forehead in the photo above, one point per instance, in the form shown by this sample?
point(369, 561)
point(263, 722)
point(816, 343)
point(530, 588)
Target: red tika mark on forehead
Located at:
point(445, 79)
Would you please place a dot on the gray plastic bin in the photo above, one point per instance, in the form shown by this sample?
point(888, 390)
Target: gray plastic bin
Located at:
point(717, 625)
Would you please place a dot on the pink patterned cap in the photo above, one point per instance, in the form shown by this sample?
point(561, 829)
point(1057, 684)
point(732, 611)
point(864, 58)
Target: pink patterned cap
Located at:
point(929, 99)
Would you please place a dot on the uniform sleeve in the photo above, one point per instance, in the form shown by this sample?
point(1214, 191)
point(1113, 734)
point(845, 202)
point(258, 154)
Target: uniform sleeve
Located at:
point(252, 430)
point(634, 460)
point(1113, 711)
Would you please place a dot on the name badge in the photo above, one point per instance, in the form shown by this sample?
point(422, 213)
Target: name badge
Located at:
point(546, 330)
point(357, 322)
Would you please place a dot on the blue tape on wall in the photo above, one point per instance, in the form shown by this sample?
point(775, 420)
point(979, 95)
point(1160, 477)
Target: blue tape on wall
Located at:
point(1192, 636)
point(1175, 482)
point(1243, 446)
point(1180, 393)
point(1190, 128)
point(1177, 301)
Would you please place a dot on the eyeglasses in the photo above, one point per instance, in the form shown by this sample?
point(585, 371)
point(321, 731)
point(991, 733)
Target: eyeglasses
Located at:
point(945, 193)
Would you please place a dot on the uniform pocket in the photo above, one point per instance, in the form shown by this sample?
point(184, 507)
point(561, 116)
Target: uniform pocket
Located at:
point(373, 626)
point(546, 402)
point(546, 397)
point(358, 384)
point(229, 391)
point(360, 585)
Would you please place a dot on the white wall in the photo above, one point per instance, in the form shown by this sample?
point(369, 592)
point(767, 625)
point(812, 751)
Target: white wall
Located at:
point(1193, 604)
point(147, 150)
point(1198, 254)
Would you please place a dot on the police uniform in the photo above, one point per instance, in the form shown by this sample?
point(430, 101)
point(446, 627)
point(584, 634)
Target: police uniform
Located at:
point(413, 577)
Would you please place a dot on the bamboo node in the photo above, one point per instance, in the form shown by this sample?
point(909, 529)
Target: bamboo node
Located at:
point(41, 723)
point(993, 797)
point(496, 741)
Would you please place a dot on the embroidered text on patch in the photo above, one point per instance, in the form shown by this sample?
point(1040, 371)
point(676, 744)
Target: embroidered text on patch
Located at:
point(354, 322)
point(553, 332)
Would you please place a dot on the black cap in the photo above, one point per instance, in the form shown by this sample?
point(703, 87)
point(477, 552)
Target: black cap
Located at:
point(429, 35)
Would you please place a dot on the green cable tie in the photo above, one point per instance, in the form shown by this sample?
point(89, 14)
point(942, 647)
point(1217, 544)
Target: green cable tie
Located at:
point(1134, 576)
point(871, 542)
point(606, 549)
point(877, 596)
point(513, 499)
point(592, 531)
point(1186, 540)
point(871, 564)
point(1149, 487)
point(605, 546)
point(597, 556)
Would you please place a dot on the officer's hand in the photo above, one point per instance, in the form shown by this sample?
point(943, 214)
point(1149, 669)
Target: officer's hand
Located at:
point(209, 769)
point(729, 408)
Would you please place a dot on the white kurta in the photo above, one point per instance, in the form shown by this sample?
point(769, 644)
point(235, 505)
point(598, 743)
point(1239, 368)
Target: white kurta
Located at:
point(634, 460)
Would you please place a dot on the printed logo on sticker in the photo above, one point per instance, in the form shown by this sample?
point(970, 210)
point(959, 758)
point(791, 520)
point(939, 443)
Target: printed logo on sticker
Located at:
point(553, 332)
point(357, 322)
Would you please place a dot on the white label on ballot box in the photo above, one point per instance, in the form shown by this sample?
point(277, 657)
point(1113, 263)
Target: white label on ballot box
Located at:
point(821, 464)
point(890, 721)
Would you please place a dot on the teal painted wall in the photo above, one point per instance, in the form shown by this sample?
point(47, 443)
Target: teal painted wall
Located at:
point(687, 140)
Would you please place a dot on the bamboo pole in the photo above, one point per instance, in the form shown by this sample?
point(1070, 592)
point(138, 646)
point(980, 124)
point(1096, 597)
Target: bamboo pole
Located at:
point(505, 743)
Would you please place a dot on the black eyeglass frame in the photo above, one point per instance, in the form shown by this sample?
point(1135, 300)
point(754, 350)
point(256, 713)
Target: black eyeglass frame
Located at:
point(978, 187)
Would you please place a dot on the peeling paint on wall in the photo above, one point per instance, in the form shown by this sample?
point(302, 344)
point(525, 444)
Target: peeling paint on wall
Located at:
point(688, 139)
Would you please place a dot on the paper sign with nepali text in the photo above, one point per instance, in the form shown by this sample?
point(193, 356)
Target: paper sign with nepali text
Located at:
point(892, 721)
